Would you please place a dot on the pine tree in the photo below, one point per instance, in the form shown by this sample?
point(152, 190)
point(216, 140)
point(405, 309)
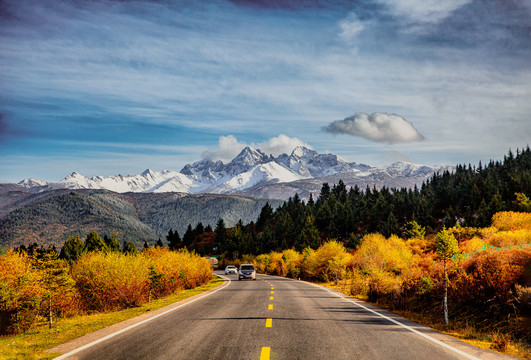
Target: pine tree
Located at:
point(174, 240)
point(112, 243)
point(310, 235)
point(129, 248)
point(189, 236)
point(221, 233)
point(95, 243)
point(72, 249)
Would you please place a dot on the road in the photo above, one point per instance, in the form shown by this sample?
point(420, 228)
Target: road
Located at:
point(276, 318)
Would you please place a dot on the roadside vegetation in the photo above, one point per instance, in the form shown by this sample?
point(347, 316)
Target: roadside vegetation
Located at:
point(486, 276)
point(33, 344)
point(38, 285)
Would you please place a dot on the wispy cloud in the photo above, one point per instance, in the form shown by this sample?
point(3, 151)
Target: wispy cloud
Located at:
point(379, 127)
point(175, 75)
point(423, 11)
point(350, 27)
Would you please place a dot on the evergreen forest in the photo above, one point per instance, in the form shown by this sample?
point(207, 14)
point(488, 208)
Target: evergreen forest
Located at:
point(469, 196)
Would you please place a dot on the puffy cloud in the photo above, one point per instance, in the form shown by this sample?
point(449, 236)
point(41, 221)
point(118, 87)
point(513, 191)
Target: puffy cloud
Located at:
point(229, 146)
point(379, 127)
point(424, 11)
point(280, 145)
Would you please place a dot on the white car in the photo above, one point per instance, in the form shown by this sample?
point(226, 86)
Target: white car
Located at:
point(247, 271)
point(231, 270)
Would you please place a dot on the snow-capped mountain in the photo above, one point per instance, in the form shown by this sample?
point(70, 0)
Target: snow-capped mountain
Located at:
point(251, 169)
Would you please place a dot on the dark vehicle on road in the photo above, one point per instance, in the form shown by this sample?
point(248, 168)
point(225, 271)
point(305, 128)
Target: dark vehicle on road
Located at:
point(247, 271)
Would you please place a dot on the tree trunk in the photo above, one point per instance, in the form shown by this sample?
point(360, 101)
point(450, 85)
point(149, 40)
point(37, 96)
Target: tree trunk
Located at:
point(445, 298)
point(50, 314)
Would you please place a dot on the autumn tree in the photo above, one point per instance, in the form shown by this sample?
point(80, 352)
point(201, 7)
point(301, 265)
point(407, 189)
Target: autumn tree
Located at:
point(55, 280)
point(415, 231)
point(446, 246)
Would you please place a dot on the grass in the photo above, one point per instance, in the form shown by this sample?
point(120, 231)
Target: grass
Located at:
point(34, 343)
point(461, 330)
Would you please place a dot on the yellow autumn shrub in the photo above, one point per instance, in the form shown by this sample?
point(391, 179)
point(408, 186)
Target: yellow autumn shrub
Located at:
point(378, 253)
point(326, 263)
point(472, 245)
point(511, 220)
point(262, 262)
point(510, 238)
point(21, 292)
point(108, 281)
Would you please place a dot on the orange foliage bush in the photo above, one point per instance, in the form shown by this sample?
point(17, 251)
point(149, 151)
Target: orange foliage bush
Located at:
point(489, 278)
point(21, 293)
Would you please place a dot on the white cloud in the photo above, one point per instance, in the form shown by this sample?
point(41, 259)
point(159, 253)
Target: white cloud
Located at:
point(281, 144)
point(351, 26)
point(229, 147)
point(379, 127)
point(424, 11)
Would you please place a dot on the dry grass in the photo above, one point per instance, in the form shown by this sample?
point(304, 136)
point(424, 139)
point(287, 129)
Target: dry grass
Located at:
point(33, 344)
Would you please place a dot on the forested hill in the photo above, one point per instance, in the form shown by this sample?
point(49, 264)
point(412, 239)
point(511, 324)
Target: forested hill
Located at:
point(470, 195)
point(50, 218)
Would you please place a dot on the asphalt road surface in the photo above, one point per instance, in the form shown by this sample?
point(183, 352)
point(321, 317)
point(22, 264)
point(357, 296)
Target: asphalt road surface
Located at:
point(276, 318)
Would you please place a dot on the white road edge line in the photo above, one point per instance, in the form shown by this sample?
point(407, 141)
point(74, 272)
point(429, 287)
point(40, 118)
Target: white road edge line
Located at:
point(64, 356)
point(440, 343)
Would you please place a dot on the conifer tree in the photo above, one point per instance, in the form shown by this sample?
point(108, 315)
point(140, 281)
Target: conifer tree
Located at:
point(112, 243)
point(129, 248)
point(95, 243)
point(72, 249)
point(189, 236)
point(310, 235)
point(221, 233)
point(174, 240)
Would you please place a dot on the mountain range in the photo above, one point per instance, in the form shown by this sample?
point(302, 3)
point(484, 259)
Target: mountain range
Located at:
point(251, 173)
point(144, 207)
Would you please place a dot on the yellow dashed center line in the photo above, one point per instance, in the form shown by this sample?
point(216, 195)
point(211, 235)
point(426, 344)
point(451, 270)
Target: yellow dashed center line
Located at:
point(264, 355)
point(270, 298)
point(272, 292)
point(270, 307)
point(269, 322)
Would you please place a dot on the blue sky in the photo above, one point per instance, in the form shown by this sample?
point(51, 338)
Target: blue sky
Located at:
point(114, 87)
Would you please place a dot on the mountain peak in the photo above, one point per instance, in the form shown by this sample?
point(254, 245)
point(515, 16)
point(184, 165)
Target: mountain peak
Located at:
point(148, 172)
point(250, 156)
point(301, 151)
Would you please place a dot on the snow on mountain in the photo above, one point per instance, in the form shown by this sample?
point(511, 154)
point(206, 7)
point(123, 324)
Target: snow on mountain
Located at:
point(148, 181)
point(32, 183)
point(310, 164)
point(252, 168)
point(407, 169)
point(268, 173)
